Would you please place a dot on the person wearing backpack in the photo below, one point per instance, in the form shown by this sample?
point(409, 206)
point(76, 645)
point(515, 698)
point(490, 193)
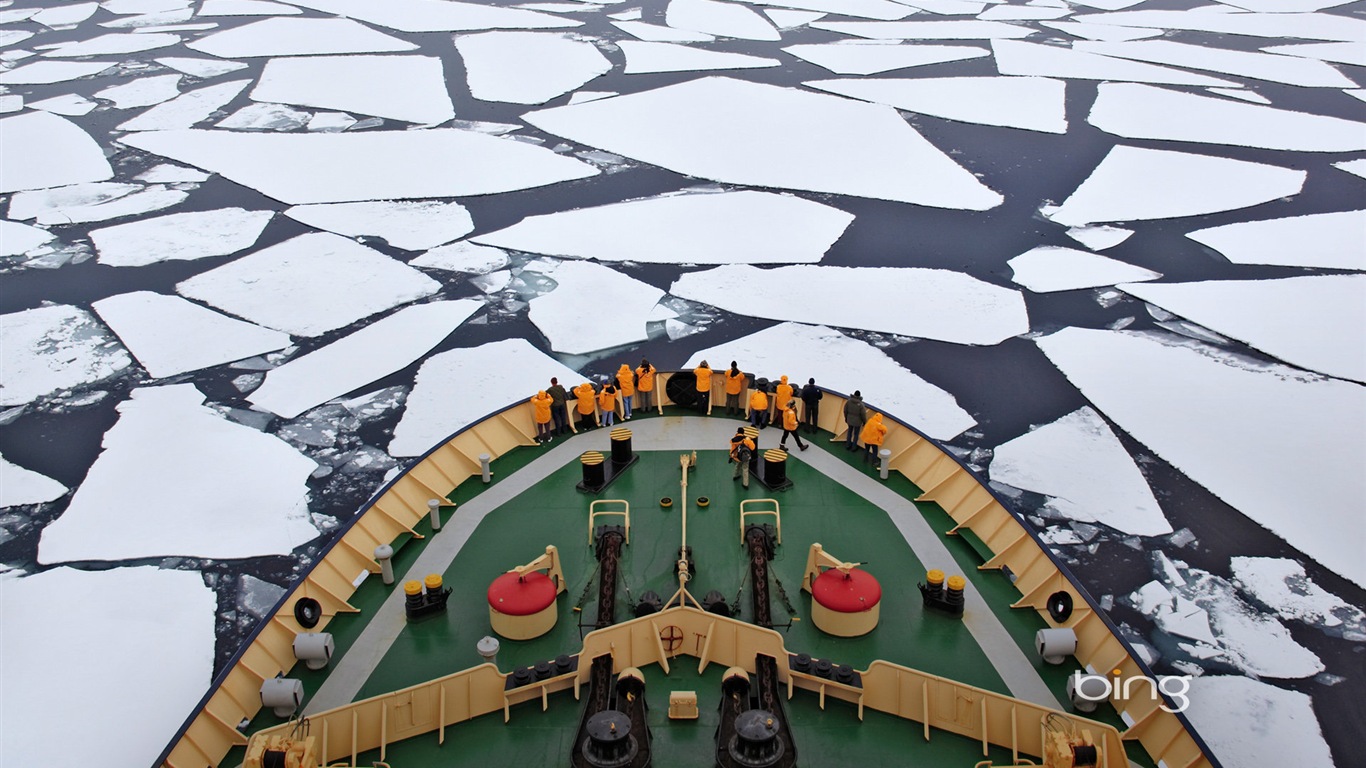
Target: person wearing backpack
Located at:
point(741, 451)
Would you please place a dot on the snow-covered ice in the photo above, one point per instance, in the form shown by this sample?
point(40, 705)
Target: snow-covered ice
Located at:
point(142, 92)
point(1136, 184)
point(1005, 12)
point(1254, 642)
point(1248, 722)
point(1260, 66)
point(527, 67)
point(246, 8)
point(54, 348)
point(40, 150)
point(16, 238)
point(265, 117)
point(186, 109)
point(751, 133)
point(1102, 31)
point(201, 68)
point(950, 7)
point(169, 335)
point(283, 36)
point(179, 236)
point(113, 45)
point(719, 18)
point(1100, 237)
point(412, 226)
point(1354, 167)
point(1031, 103)
point(120, 630)
point(47, 72)
point(1306, 26)
point(882, 10)
point(579, 97)
point(310, 285)
point(438, 15)
point(492, 282)
point(926, 30)
point(1343, 53)
point(1241, 95)
point(353, 361)
point(1312, 321)
point(1240, 430)
point(613, 315)
point(657, 33)
point(719, 228)
point(65, 15)
point(373, 165)
point(463, 257)
point(910, 301)
point(844, 364)
point(868, 58)
point(96, 201)
point(1017, 57)
point(509, 367)
point(1081, 465)
point(1282, 585)
point(644, 57)
point(24, 486)
point(69, 104)
point(409, 88)
point(1150, 597)
point(1329, 240)
point(1144, 112)
point(1049, 268)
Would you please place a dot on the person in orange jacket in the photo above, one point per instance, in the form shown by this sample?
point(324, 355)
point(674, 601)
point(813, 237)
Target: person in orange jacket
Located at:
point(587, 405)
point(782, 396)
point(645, 383)
point(758, 407)
point(607, 404)
point(790, 426)
point(735, 382)
point(703, 374)
point(626, 385)
point(873, 433)
point(540, 413)
point(741, 450)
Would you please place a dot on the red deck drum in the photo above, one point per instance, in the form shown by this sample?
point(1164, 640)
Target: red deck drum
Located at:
point(846, 605)
point(522, 607)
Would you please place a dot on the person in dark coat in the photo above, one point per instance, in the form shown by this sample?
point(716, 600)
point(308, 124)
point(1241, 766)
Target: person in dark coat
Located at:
point(811, 405)
point(558, 412)
point(855, 415)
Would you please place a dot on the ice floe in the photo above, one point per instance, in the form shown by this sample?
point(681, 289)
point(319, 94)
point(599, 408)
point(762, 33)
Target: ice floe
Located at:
point(284, 36)
point(950, 7)
point(412, 226)
point(1314, 321)
point(1236, 428)
point(40, 150)
point(265, 117)
point(527, 67)
point(1248, 722)
point(410, 88)
point(1135, 184)
point(331, 122)
point(246, 8)
point(575, 327)
point(54, 348)
point(868, 58)
point(165, 173)
point(750, 133)
point(1260, 66)
point(463, 257)
point(882, 10)
point(643, 57)
point(67, 104)
point(1049, 268)
point(1031, 103)
point(926, 30)
point(911, 301)
point(438, 15)
point(47, 72)
point(309, 285)
point(1005, 12)
point(65, 15)
point(10, 37)
point(204, 487)
point(110, 45)
point(719, 18)
point(201, 68)
point(20, 486)
point(1144, 112)
point(1329, 240)
point(119, 630)
point(511, 367)
point(1088, 475)
point(580, 97)
point(492, 282)
point(169, 335)
point(186, 109)
point(656, 33)
point(1342, 53)
point(1098, 238)
point(374, 165)
point(1306, 26)
point(353, 361)
point(1017, 57)
point(1354, 167)
point(1282, 586)
point(143, 92)
point(1102, 31)
point(719, 228)
point(98, 201)
point(16, 238)
point(844, 364)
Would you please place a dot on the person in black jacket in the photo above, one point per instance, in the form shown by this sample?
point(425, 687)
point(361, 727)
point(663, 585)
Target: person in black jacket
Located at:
point(557, 406)
point(811, 405)
point(855, 415)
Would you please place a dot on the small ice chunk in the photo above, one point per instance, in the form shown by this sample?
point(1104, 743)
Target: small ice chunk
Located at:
point(309, 285)
point(54, 348)
point(677, 329)
point(643, 57)
point(1150, 598)
point(868, 58)
point(510, 366)
point(630, 14)
point(718, 228)
point(656, 33)
point(1182, 538)
point(30, 205)
point(926, 30)
point(527, 67)
point(254, 596)
point(463, 257)
point(143, 92)
point(1186, 620)
point(719, 18)
point(169, 335)
point(166, 448)
point(1282, 585)
point(437, 15)
point(47, 72)
point(16, 238)
point(412, 226)
point(248, 382)
point(577, 327)
point(40, 150)
point(1167, 569)
point(1329, 240)
point(265, 117)
point(1354, 167)
point(70, 105)
point(1133, 184)
point(330, 122)
point(364, 84)
point(372, 405)
point(283, 36)
point(1306, 73)
point(19, 486)
point(180, 237)
point(1098, 238)
point(1031, 103)
point(1102, 31)
point(186, 109)
point(1016, 57)
point(951, 306)
point(171, 174)
point(353, 361)
point(1247, 722)
point(1049, 268)
point(246, 8)
point(492, 282)
point(201, 68)
point(113, 45)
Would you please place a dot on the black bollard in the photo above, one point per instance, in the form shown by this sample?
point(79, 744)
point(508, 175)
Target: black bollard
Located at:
point(621, 446)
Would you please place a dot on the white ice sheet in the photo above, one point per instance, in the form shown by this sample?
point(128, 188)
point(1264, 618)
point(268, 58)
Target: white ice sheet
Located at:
point(1016, 57)
point(265, 117)
point(20, 486)
point(177, 479)
point(1282, 585)
point(1343, 53)
point(1031, 103)
point(1133, 184)
point(463, 257)
point(310, 285)
point(246, 8)
point(1329, 240)
point(527, 67)
point(438, 15)
point(47, 208)
point(763, 135)
point(1248, 722)
point(844, 364)
point(865, 58)
point(643, 57)
point(65, 15)
point(202, 68)
point(1314, 321)
point(661, 34)
point(142, 92)
point(1354, 167)
point(179, 236)
point(1306, 26)
point(511, 367)
point(113, 45)
point(1102, 31)
point(54, 348)
point(283, 36)
point(353, 361)
point(722, 19)
point(926, 30)
point(1080, 463)
point(374, 165)
point(186, 109)
point(911, 301)
point(593, 307)
point(40, 150)
point(16, 238)
point(45, 72)
point(883, 10)
point(1238, 429)
point(120, 630)
point(1099, 238)
point(412, 226)
point(1049, 268)
point(1003, 12)
point(409, 88)
point(70, 105)
point(1260, 66)
point(725, 228)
